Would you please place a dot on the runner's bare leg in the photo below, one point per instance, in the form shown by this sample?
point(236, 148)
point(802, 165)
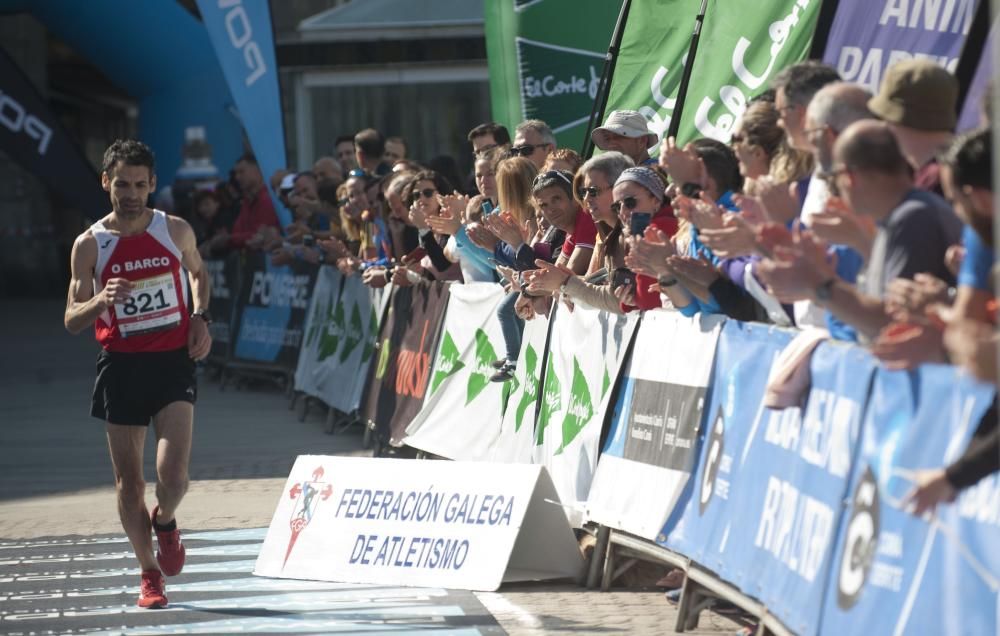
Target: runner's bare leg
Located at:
point(125, 444)
point(174, 425)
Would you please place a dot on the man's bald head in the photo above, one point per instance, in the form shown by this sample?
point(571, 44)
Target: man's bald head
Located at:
point(328, 168)
point(869, 146)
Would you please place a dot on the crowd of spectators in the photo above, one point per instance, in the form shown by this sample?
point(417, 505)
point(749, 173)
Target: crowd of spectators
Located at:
point(830, 208)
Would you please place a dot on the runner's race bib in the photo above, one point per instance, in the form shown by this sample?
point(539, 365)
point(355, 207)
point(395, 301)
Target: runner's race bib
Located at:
point(153, 306)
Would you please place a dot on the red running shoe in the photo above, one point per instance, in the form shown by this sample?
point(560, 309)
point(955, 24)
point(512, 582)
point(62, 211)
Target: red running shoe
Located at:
point(151, 590)
point(170, 550)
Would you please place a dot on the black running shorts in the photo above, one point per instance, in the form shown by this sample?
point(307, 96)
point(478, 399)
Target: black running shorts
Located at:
point(133, 387)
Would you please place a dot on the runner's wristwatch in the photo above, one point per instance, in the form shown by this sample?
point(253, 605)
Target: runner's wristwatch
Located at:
point(204, 315)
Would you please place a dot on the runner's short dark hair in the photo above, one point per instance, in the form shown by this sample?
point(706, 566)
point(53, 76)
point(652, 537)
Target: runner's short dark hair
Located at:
point(130, 152)
point(500, 134)
point(342, 139)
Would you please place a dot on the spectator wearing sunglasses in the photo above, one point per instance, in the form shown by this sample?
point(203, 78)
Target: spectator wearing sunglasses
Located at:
point(627, 132)
point(533, 140)
point(422, 194)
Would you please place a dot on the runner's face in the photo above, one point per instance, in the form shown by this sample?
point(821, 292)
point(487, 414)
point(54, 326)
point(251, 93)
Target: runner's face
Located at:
point(129, 187)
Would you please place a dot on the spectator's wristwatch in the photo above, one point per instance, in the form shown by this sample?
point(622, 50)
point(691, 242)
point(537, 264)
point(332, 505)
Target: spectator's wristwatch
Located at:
point(665, 280)
point(204, 315)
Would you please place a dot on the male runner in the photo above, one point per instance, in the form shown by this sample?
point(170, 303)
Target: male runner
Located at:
point(129, 281)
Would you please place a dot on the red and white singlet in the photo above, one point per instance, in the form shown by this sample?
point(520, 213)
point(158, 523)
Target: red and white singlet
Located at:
point(155, 318)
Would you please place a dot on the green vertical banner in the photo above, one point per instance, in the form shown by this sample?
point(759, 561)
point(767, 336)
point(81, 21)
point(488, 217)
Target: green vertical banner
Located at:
point(740, 50)
point(545, 60)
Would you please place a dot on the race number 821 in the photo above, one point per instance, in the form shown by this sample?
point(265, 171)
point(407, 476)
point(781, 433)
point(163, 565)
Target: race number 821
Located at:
point(152, 306)
point(145, 302)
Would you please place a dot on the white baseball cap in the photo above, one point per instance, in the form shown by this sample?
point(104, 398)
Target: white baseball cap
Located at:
point(627, 123)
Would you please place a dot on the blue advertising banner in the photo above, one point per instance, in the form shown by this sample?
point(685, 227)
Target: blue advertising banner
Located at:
point(786, 501)
point(272, 306)
point(700, 525)
point(244, 43)
point(893, 572)
point(869, 36)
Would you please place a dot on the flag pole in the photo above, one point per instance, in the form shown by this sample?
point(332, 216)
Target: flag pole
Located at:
point(675, 117)
point(607, 74)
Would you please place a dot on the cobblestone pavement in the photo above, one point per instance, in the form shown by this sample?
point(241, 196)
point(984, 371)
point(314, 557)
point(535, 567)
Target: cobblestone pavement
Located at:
point(56, 483)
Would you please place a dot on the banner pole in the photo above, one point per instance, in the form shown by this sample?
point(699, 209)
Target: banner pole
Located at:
point(827, 12)
point(972, 50)
point(994, 88)
point(675, 118)
point(604, 86)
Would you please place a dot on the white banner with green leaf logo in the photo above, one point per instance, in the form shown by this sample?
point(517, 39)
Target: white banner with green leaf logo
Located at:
point(341, 329)
point(740, 50)
point(586, 347)
point(460, 418)
point(516, 441)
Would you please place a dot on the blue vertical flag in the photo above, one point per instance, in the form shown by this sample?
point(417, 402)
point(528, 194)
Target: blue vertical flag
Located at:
point(241, 34)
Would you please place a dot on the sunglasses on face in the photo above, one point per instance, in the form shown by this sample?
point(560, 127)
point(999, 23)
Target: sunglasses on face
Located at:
point(628, 202)
point(427, 193)
point(526, 150)
point(592, 191)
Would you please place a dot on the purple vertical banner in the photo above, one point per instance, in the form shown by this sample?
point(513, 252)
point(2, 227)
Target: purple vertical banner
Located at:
point(971, 115)
point(869, 36)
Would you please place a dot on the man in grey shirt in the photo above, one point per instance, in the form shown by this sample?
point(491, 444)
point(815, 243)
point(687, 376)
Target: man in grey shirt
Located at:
point(915, 229)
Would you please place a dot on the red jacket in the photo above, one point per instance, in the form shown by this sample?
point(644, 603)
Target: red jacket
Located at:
point(254, 214)
point(644, 299)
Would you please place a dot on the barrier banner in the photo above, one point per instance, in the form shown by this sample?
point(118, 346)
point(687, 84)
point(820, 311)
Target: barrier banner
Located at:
point(652, 445)
point(869, 36)
point(340, 339)
point(586, 348)
point(407, 339)
point(516, 441)
point(457, 525)
point(225, 286)
point(699, 526)
point(243, 40)
point(787, 497)
point(894, 573)
point(271, 310)
point(460, 418)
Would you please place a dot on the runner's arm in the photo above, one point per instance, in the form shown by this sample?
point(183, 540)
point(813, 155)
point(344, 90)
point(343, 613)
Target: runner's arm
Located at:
point(184, 238)
point(83, 306)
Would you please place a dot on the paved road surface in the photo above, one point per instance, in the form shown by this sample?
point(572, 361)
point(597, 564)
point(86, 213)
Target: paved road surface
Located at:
point(65, 567)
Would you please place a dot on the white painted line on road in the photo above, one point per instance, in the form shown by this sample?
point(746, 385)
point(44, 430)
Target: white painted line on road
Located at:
point(497, 604)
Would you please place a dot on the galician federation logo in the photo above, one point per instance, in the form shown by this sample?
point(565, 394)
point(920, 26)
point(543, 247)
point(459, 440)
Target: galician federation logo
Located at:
point(307, 495)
